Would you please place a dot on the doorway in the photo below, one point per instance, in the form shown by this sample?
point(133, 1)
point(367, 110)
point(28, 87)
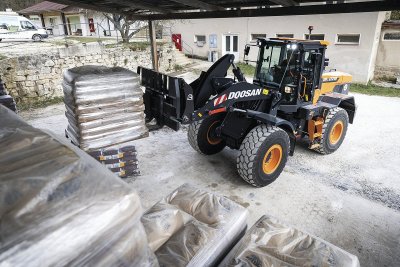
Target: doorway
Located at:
point(230, 45)
point(177, 39)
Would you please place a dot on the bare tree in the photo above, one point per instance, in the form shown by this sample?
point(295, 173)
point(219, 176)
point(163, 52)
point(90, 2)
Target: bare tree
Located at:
point(127, 28)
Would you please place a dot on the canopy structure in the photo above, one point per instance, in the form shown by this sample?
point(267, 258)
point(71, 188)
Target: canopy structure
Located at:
point(202, 9)
point(199, 9)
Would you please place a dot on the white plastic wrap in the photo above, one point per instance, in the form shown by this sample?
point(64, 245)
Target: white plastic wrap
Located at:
point(272, 243)
point(60, 207)
point(104, 106)
point(192, 227)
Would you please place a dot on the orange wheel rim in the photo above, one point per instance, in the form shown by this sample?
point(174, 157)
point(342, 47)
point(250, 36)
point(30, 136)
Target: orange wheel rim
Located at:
point(272, 159)
point(212, 139)
point(336, 132)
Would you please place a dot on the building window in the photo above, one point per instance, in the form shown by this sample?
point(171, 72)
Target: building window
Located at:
point(235, 43)
point(200, 40)
point(285, 35)
point(353, 39)
point(254, 36)
point(213, 41)
point(314, 36)
point(391, 36)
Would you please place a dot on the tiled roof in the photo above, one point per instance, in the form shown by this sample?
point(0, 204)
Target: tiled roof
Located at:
point(391, 24)
point(41, 7)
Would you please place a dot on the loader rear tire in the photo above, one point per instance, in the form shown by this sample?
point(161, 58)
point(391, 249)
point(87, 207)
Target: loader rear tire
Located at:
point(263, 155)
point(333, 131)
point(202, 135)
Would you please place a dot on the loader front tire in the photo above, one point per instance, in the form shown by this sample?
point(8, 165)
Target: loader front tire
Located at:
point(333, 131)
point(202, 135)
point(263, 155)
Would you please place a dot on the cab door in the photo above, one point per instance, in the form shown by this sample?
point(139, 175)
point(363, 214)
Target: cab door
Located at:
point(27, 29)
point(312, 70)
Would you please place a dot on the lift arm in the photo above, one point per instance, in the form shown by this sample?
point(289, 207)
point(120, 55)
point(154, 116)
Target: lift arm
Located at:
point(171, 101)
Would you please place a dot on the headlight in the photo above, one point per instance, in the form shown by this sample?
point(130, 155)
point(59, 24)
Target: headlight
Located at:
point(288, 89)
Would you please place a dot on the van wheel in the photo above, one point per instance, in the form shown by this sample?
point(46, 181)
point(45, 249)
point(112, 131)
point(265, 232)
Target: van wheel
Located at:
point(37, 38)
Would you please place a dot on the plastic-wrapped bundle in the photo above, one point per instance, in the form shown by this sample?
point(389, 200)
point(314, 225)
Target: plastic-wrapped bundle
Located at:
point(122, 161)
point(60, 207)
point(192, 227)
point(6, 100)
point(104, 106)
point(272, 243)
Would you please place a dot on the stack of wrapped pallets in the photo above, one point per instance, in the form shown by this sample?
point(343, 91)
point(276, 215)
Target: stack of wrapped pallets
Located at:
point(104, 110)
point(54, 213)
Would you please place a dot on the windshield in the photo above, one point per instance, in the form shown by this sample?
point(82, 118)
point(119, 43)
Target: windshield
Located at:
point(272, 68)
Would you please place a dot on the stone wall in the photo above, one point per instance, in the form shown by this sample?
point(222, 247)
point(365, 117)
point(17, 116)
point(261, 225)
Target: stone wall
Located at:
point(386, 72)
point(38, 77)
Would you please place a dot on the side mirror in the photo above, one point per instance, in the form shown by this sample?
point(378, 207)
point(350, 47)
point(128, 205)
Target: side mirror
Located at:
point(326, 62)
point(315, 57)
point(246, 50)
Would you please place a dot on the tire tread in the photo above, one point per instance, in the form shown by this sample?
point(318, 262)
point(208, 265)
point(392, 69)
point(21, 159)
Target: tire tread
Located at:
point(249, 148)
point(193, 132)
point(321, 148)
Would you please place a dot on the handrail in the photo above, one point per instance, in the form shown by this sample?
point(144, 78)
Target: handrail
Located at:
point(76, 25)
point(191, 48)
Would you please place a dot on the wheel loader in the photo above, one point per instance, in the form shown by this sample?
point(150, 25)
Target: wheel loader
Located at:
point(291, 97)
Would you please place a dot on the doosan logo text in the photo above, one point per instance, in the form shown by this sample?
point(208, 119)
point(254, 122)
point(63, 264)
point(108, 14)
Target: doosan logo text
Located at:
point(247, 93)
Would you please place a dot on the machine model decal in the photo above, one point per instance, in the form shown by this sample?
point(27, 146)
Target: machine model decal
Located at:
point(246, 93)
point(330, 79)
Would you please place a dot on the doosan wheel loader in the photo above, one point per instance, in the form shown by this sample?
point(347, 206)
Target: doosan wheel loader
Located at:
point(290, 97)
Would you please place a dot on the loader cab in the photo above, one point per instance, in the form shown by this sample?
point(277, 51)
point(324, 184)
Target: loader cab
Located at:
point(292, 67)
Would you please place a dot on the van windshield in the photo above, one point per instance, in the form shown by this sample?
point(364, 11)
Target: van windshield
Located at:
point(9, 23)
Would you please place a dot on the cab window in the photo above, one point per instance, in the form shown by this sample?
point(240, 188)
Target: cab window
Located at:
point(26, 25)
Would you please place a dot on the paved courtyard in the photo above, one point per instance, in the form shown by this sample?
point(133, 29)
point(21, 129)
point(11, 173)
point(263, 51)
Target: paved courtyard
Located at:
point(350, 198)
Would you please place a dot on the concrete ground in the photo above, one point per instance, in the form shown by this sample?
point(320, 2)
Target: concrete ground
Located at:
point(350, 198)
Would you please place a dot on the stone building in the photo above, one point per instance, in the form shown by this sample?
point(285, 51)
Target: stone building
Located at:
point(60, 20)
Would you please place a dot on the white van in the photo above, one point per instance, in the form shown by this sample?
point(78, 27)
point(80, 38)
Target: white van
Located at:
point(13, 27)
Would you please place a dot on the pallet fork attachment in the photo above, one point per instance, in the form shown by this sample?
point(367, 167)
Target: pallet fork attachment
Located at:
point(167, 99)
point(171, 101)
